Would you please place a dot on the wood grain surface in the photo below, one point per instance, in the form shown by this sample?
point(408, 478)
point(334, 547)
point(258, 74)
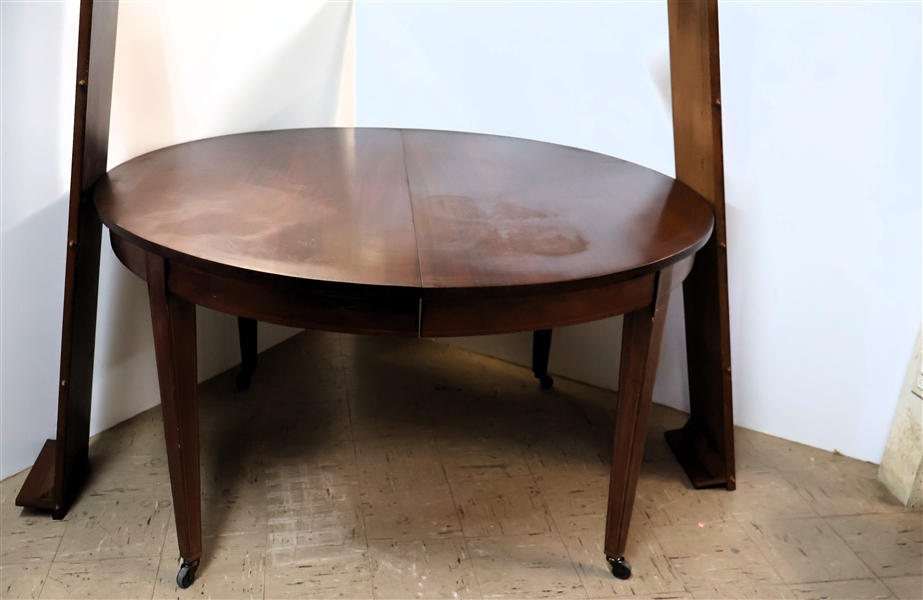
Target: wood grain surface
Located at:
point(439, 211)
point(494, 211)
point(317, 204)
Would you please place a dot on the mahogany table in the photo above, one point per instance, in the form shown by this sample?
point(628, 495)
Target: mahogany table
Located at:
point(401, 232)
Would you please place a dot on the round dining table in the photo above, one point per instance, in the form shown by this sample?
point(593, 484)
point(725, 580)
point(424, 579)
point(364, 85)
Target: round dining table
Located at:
point(401, 232)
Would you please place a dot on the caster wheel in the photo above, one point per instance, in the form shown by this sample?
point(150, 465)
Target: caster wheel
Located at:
point(243, 380)
point(546, 382)
point(620, 567)
point(186, 574)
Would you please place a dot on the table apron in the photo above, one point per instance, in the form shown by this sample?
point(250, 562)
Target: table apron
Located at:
point(385, 314)
point(477, 316)
point(405, 314)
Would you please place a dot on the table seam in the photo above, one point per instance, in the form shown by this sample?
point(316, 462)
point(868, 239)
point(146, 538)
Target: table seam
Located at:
point(416, 242)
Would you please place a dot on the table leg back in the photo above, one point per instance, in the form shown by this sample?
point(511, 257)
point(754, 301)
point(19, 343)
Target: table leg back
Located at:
point(246, 328)
point(541, 349)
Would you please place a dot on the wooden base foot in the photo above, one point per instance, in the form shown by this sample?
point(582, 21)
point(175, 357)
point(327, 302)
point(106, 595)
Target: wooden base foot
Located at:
point(37, 490)
point(704, 466)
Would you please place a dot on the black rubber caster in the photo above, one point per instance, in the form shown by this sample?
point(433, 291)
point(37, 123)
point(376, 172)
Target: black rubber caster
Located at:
point(620, 567)
point(243, 380)
point(545, 381)
point(186, 574)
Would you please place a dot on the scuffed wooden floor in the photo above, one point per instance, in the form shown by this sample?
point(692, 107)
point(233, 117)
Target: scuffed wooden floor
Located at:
point(360, 467)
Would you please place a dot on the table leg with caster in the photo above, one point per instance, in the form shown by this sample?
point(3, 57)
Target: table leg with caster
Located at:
point(541, 348)
point(246, 328)
point(642, 332)
point(175, 346)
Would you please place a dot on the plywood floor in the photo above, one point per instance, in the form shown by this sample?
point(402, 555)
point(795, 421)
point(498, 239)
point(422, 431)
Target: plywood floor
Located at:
point(360, 467)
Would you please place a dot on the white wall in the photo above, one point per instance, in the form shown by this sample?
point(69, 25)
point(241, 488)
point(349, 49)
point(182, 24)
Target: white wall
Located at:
point(822, 160)
point(247, 66)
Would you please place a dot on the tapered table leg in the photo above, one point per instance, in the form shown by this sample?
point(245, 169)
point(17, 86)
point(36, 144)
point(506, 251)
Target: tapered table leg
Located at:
point(642, 333)
point(541, 349)
point(175, 346)
point(246, 328)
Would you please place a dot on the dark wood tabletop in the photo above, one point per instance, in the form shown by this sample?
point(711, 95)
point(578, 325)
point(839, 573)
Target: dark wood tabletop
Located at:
point(403, 209)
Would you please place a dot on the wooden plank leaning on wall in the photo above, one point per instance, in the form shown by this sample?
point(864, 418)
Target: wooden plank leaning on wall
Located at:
point(61, 466)
point(705, 445)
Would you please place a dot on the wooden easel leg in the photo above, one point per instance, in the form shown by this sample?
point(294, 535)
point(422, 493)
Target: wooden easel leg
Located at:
point(642, 333)
point(246, 328)
point(174, 323)
point(61, 467)
point(541, 349)
point(705, 445)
